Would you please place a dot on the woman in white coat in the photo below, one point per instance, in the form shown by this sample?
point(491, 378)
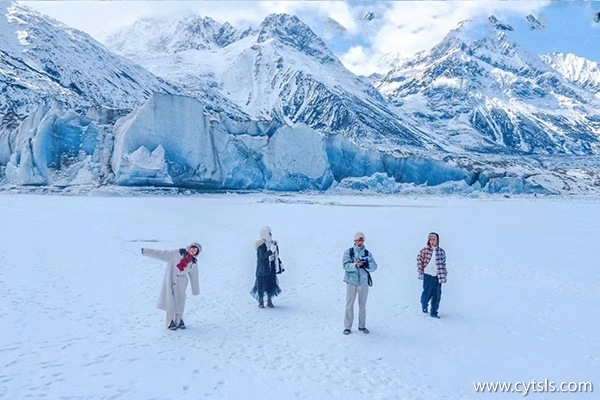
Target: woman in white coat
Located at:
point(181, 267)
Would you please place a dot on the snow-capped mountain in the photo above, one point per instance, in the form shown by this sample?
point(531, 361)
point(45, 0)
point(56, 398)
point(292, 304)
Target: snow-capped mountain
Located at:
point(41, 59)
point(578, 70)
point(280, 72)
point(482, 93)
point(161, 37)
point(332, 28)
point(273, 108)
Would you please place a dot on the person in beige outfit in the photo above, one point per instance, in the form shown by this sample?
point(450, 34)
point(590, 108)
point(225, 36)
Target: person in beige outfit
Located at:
point(182, 267)
point(358, 263)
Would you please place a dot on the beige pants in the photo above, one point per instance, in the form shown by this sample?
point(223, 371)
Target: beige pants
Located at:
point(173, 317)
point(351, 292)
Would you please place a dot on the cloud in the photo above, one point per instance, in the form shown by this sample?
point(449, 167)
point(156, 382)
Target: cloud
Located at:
point(403, 27)
point(100, 18)
point(409, 27)
point(357, 60)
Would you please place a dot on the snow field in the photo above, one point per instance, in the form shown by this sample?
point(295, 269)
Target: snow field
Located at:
point(78, 299)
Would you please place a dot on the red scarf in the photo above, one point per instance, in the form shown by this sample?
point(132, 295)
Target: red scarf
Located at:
point(185, 261)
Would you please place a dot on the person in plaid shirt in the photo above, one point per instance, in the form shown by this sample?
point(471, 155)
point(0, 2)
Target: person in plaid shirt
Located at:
point(432, 273)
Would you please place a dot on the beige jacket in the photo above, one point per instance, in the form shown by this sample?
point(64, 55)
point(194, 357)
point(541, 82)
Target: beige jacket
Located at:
point(174, 284)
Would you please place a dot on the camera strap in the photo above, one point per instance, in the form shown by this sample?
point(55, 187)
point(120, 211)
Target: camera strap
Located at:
point(352, 253)
point(369, 279)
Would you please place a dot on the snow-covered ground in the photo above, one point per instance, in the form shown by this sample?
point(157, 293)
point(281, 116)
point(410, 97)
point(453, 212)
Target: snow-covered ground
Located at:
point(77, 299)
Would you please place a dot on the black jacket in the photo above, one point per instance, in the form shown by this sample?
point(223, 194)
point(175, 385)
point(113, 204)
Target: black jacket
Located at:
point(264, 267)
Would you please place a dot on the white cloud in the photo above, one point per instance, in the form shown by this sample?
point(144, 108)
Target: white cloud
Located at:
point(100, 18)
point(357, 60)
point(410, 27)
point(403, 27)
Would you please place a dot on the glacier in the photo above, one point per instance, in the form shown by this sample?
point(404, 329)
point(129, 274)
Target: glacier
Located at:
point(50, 139)
point(172, 141)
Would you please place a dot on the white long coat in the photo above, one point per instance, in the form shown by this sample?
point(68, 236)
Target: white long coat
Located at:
point(174, 285)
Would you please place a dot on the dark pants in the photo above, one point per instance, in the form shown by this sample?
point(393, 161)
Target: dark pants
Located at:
point(432, 290)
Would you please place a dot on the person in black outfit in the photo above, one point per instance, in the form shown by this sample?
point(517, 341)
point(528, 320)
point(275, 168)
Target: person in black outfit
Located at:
point(268, 265)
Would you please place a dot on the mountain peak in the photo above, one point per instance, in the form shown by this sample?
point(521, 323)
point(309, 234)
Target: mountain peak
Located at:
point(171, 36)
point(493, 95)
point(282, 22)
point(498, 25)
point(535, 23)
point(473, 30)
point(291, 31)
point(43, 61)
point(474, 36)
point(577, 70)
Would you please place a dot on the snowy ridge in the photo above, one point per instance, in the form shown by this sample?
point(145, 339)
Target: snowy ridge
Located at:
point(160, 36)
point(482, 93)
point(71, 68)
point(578, 70)
point(293, 78)
point(289, 30)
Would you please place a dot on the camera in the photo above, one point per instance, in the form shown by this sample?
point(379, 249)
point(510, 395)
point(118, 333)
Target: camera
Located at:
point(365, 262)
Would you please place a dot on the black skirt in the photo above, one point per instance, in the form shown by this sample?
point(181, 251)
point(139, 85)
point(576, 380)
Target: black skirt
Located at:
point(268, 285)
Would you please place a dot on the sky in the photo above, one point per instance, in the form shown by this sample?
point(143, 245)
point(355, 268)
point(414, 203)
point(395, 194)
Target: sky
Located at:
point(401, 28)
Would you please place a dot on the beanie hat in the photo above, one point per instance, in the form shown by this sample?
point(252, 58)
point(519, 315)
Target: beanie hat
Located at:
point(265, 233)
point(359, 235)
point(436, 236)
point(196, 245)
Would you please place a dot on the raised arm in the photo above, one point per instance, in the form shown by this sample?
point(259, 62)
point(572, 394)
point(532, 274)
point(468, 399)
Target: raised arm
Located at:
point(163, 255)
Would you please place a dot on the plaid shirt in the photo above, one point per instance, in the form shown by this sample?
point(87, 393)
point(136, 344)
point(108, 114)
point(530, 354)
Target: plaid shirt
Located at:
point(440, 261)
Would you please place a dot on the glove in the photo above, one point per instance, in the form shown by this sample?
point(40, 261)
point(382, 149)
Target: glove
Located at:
point(274, 247)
